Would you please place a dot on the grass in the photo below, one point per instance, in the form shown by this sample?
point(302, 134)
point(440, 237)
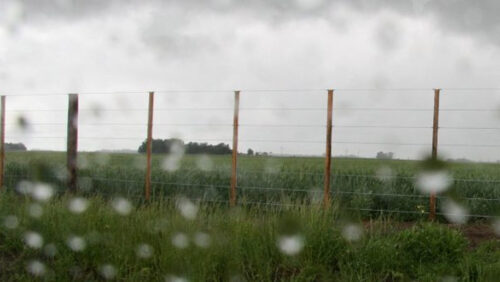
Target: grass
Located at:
point(210, 242)
point(267, 179)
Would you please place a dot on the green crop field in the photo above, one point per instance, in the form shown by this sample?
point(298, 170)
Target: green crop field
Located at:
point(279, 232)
point(367, 185)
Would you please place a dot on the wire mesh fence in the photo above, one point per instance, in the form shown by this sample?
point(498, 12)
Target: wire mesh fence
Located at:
point(281, 143)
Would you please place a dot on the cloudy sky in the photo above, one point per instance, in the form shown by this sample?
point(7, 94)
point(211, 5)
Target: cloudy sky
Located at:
point(382, 57)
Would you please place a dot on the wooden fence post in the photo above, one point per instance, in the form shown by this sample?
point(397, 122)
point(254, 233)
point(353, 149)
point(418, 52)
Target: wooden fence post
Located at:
point(232, 196)
point(149, 147)
point(328, 155)
point(435, 127)
point(72, 139)
point(2, 141)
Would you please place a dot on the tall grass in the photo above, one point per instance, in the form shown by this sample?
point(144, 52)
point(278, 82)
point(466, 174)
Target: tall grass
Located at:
point(210, 242)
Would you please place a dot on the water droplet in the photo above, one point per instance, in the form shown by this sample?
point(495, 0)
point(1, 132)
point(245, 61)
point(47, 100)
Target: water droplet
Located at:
point(180, 240)
point(76, 243)
point(35, 210)
point(291, 244)
point(36, 268)
point(187, 208)
point(144, 251)
point(173, 161)
point(122, 206)
point(449, 279)
point(102, 159)
point(23, 123)
point(496, 226)
point(434, 181)
point(42, 192)
point(140, 162)
point(33, 240)
point(24, 187)
point(174, 278)
point(107, 271)
point(237, 278)
point(271, 166)
point(85, 184)
point(352, 232)
point(93, 237)
point(316, 195)
point(204, 163)
point(202, 240)
point(455, 212)
point(82, 161)
point(11, 222)
point(384, 174)
point(157, 225)
point(61, 173)
point(78, 205)
point(50, 250)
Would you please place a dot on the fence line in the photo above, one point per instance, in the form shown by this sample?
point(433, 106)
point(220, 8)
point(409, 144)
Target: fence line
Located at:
point(72, 133)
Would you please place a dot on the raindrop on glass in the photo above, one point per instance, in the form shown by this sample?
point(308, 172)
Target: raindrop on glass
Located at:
point(122, 206)
point(144, 251)
point(11, 222)
point(50, 250)
point(291, 244)
point(204, 163)
point(180, 240)
point(187, 208)
point(454, 212)
point(78, 205)
point(33, 240)
point(352, 232)
point(496, 226)
point(434, 181)
point(384, 174)
point(35, 210)
point(76, 243)
point(202, 240)
point(107, 271)
point(175, 278)
point(42, 192)
point(36, 268)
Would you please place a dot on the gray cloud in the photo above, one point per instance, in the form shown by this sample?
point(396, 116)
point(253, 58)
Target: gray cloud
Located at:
point(223, 44)
point(477, 19)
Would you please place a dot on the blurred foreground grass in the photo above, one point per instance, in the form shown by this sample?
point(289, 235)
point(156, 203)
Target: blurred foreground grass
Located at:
point(70, 238)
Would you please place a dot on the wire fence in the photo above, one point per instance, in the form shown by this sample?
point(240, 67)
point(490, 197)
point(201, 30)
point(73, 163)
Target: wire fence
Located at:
point(270, 120)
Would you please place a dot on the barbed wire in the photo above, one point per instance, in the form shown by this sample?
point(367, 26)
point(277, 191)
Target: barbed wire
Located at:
point(96, 111)
point(248, 90)
point(271, 141)
point(257, 125)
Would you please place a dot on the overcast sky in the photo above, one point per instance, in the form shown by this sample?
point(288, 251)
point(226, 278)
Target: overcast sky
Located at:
point(220, 45)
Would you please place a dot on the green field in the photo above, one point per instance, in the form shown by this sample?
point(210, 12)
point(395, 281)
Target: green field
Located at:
point(279, 231)
point(356, 183)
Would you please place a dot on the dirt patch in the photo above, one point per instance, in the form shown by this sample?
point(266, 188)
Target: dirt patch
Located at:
point(476, 233)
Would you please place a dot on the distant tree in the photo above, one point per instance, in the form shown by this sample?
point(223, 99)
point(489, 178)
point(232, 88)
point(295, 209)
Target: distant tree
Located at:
point(385, 156)
point(15, 147)
point(250, 152)
point(165, 146)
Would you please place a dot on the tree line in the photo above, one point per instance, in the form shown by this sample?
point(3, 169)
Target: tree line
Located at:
point(15, 147)
point(165, 146)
